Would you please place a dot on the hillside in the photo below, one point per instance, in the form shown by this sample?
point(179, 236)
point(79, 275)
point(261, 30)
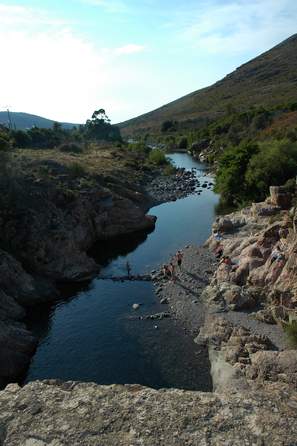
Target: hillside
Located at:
point(267, 80)
point(23, 121)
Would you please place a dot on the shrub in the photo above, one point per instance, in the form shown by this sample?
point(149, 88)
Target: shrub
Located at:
point(70, 147)
point(272, 166)
point(21, 139)
point(232, 167)
point(77, 170)
point(139, 147)
point(168, 125)
point(290, 330)
point(4, 143)
point(290, 185)
point(183, 143)
point(157, 157)
point(169, 170)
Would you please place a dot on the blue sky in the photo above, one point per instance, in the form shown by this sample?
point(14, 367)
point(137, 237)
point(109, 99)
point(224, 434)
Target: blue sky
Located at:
point(63, 59)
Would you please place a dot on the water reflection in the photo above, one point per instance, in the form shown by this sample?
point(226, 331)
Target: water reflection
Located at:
point(94, 335)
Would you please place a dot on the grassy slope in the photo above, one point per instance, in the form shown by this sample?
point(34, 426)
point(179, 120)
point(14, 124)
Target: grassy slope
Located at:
point(267, 80)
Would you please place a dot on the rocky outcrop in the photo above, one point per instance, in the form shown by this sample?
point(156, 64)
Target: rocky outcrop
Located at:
point(53, 413)
point(279, 196)
point(51, 213)
point(263, 256)
point(250, 359)
point(54, 234)
point(18, 289)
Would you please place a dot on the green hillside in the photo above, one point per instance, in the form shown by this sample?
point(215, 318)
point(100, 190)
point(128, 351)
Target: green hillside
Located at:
point(23, 121)
point(267, 80)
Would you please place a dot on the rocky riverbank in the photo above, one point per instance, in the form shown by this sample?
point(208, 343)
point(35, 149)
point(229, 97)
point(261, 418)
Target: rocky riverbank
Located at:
point(235, 308)
point(179, 185)
point(229, 309)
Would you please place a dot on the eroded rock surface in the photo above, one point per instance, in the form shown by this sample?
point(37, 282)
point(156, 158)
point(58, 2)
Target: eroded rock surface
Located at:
point(56, 414)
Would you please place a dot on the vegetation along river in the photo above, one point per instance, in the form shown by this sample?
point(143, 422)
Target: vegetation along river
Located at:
point(93, 334)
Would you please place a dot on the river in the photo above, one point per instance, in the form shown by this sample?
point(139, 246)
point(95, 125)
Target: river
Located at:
point(92, 334)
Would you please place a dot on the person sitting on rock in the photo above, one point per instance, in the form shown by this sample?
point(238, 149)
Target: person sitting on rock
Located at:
point(232, 265)
point(217, 236)
point(226, 260)
point(277, 255)
point(218, 251)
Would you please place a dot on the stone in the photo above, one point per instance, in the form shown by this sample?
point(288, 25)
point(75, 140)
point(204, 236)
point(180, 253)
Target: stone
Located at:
point(130, 415)
point(280, 197)
point(136, 306)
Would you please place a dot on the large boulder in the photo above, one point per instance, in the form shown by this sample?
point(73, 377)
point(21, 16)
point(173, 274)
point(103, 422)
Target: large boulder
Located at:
point(274, 366)
point(226, 295)
point(279, 196)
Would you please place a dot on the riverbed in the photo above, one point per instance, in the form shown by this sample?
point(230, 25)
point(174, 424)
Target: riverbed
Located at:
point(93, 334)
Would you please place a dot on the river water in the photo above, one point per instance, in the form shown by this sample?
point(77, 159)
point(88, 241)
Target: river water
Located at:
point(92, 334)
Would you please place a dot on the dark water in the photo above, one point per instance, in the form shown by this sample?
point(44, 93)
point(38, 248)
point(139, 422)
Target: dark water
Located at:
point(94, 335)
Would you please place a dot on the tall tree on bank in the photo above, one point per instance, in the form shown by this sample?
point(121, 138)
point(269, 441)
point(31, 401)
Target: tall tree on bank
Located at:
point(99, 127)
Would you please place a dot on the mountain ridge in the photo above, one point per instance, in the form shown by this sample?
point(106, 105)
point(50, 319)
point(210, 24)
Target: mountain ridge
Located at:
point(23, 121)
point(266, 80)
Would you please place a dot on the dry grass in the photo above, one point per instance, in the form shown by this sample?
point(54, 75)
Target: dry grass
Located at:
point(267, 80)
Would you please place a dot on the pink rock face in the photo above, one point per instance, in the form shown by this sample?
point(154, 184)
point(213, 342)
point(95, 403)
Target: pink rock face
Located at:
point(251, 247)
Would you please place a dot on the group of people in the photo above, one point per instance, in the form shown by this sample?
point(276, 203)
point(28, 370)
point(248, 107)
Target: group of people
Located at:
point(169, 270)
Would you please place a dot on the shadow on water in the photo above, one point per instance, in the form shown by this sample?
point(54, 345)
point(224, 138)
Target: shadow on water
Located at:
point(105, 251)
point(92, 334)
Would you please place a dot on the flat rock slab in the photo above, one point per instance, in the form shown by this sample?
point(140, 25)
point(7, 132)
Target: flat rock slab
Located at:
point(55, 414)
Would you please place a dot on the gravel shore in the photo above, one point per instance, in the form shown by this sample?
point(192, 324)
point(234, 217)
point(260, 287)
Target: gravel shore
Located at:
point(184, 297)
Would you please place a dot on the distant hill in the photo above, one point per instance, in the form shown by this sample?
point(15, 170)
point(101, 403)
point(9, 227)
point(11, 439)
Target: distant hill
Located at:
point(267, 80)
point(23, 121)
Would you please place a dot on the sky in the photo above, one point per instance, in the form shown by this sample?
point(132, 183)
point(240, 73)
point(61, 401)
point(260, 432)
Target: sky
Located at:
point(63, 59)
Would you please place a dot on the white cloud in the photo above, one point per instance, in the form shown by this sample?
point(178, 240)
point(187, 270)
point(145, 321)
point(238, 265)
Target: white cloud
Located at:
point(112, 6)
point(131, 48)
point(16, 15)
point(54, 72)
point(238, 26)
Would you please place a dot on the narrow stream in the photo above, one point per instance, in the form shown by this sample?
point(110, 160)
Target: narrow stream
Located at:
point(93, 334)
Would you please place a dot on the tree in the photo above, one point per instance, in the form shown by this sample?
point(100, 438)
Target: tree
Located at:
point(231, 172)
point(99, 127)
point(168, 125)
point(100, 115)
point(21, 139)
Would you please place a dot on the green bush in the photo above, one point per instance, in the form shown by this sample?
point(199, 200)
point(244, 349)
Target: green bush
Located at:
point(77, 170)
point(169, 170)
point(246, 172)
point(157, 157)
point(70, 147)
point(275, 163)
point(140, 148)
point(169, 125)
point(183, 143)
point(290, 185)
point(4, 143)
point(231, 171)
point(290, 330)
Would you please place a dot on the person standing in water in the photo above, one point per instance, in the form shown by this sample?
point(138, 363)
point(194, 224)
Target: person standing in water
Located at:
point(128, 268)
point(179, 258)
